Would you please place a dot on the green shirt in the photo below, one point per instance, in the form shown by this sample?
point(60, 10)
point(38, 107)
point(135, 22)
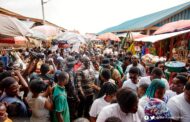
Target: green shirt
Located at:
point(60, 103)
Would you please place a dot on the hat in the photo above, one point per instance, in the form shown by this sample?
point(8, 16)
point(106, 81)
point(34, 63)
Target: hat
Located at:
point(71, 60)
point(109, 56)
point(56, 75)
point(85, 59)
point(135, 56)
point(105, 62)
point(60, 58)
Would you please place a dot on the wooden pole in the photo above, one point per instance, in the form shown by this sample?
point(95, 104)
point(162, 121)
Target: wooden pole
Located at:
point(160, 49)
point(171, 47)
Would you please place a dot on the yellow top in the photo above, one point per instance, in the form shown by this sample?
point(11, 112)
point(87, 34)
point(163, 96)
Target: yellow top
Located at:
point(8, 120)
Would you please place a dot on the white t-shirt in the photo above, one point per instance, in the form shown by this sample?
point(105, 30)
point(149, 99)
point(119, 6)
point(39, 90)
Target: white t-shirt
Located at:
point(148, 81)
point(114, 110)
point(97, 106)
point(141, 68)
point(179, 108)
point(143, 101)
point(128, 83)
point(39, 113)
point(169, 94)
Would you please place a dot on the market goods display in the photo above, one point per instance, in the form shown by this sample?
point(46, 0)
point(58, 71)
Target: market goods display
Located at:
point(151, 59)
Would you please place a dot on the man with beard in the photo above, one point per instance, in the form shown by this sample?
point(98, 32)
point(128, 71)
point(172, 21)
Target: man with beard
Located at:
point(135, 63)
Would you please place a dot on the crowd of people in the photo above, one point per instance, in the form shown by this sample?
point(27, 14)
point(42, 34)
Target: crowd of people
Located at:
point(41, 85)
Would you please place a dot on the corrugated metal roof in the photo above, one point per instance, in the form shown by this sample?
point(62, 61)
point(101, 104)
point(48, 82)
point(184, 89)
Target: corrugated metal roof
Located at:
point(147, 20)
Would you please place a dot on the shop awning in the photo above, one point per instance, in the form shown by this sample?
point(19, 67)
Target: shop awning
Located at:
point(155, 38)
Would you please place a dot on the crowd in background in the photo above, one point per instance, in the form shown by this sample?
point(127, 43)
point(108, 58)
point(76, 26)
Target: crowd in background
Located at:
point(90, 86)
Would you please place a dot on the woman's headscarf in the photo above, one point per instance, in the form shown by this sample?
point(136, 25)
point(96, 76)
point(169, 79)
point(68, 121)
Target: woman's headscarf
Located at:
point(155, 84)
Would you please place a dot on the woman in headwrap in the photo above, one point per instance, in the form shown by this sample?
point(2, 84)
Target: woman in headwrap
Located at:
point(156, 89)
point(157, 111)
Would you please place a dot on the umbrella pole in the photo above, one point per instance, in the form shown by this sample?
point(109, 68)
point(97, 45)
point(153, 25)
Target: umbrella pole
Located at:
point(27, 43)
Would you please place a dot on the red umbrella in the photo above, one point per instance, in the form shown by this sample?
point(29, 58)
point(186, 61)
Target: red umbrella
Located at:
point(173, 26)
point(63, 45)
point(108, 36)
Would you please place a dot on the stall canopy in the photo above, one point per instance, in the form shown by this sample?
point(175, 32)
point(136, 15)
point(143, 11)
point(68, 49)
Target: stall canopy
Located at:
point(155, 38)
point(135, 35)
point(173, 27)
point(109, 36)
point(10, 26)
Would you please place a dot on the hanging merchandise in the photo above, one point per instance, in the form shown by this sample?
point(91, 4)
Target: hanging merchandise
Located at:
point(132, 49)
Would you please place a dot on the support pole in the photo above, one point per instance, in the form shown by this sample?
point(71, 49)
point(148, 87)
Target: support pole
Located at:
point(43, 14)
point(171, 47)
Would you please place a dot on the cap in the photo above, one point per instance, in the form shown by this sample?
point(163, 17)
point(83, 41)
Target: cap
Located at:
point(105, 62)
point(71, 60)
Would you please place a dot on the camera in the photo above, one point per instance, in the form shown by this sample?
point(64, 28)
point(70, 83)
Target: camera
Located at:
point(56, 42)
point(37, 55)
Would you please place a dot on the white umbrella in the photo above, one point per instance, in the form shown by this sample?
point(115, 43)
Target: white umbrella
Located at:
point(72, 38)
point(49, 31)
point(10, 26)
point(37, 35)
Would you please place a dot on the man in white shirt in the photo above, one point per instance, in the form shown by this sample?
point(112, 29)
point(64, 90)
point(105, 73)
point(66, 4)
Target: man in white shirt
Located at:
point(98, 104)
point(180, 106)
point(176, 88)
point(126, 109)
point(135, 63)
point(156, 73)
point(133, 78)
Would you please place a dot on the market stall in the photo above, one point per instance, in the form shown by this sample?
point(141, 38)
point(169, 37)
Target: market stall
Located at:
point(18, 41)
point(170, 44)
point(12, 30)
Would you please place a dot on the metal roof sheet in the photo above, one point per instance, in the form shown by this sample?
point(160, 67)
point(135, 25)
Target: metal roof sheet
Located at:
point(143, 22)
